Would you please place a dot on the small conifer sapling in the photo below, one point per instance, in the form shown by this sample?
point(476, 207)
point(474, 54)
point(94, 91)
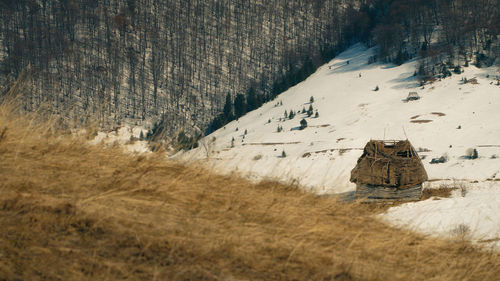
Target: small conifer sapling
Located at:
point(310, 111)
point(303, 124)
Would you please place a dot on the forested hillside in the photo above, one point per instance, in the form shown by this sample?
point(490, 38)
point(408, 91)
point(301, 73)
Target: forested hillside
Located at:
point(141, 60)
point(181, 61)
point(452, 32)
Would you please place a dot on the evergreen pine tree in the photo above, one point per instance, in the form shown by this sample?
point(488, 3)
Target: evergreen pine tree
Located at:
point(252, 100)
point(240, 106)
point(311, 100)
point(474, 154)
point(303, 124)
point(228, 108)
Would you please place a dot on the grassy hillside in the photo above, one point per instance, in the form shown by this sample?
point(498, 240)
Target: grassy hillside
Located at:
point(71, 211)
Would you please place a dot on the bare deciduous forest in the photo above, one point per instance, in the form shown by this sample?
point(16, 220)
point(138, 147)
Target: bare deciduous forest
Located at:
point(177, 61)
point(147, 59)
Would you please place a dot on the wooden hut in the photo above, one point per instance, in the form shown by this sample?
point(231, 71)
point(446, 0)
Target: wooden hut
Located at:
point(413, 96)
point(389, 171)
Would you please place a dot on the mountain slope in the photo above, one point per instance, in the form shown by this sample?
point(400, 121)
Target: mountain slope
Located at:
point(140, 61)
point(450, 118)
point(74, 211)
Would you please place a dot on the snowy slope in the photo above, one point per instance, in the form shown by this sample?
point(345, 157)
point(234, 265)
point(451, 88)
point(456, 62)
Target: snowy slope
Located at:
point(321, 156)
point(450, 118)
point(127, 137)
point(475, 216)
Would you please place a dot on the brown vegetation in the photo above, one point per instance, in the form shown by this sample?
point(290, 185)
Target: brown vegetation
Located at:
point(471, 81)
point(72, 211)
point(440, 114)
point(442, 191)
point(421, 121)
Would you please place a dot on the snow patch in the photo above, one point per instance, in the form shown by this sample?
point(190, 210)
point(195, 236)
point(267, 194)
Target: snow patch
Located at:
point(126, 136)
point(475, 213)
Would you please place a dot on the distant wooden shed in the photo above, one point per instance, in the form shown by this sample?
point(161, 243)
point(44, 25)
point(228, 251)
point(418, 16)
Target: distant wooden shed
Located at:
point(412, 96)
point(389, 170)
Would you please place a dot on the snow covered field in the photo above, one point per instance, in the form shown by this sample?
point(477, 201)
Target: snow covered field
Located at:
point(127, 137)
point(450, 119)
point(476, 215)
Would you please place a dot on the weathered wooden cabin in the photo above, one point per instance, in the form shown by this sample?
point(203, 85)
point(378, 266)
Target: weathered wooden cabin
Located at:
point(389, 171)
point(412, 96)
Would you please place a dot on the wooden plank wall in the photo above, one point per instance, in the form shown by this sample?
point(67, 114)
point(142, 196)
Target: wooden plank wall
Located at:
point(371, 193)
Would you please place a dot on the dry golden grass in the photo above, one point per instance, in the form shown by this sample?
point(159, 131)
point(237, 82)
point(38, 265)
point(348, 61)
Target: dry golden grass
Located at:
point(71, 211)
point(442, 191)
